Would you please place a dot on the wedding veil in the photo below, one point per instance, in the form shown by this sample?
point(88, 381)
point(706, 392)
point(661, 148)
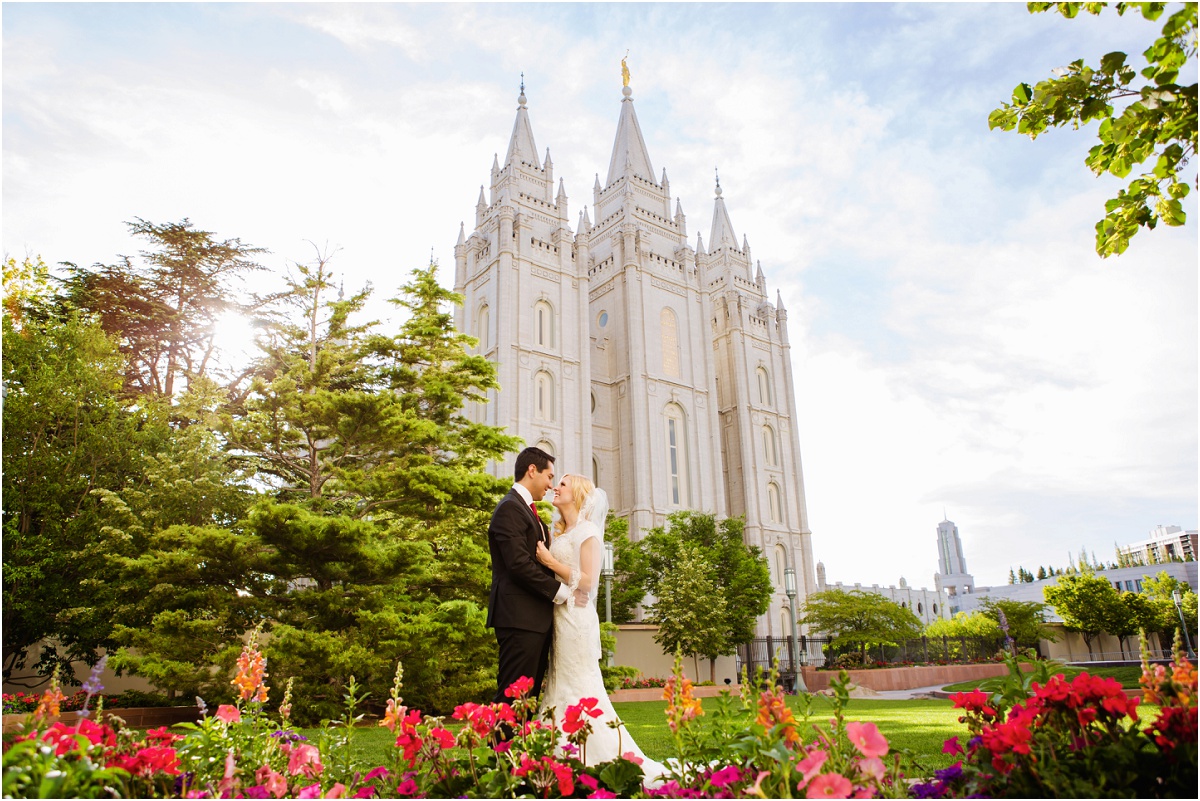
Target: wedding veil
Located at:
point(594, 511)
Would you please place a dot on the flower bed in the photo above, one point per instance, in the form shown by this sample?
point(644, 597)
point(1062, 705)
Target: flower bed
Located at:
point(1039, 736)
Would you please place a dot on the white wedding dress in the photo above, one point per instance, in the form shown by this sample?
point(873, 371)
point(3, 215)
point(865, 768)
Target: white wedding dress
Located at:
point(574, 670)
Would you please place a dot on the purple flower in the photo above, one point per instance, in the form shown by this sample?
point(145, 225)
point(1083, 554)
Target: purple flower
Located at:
point(949, 774)
point(93, 686)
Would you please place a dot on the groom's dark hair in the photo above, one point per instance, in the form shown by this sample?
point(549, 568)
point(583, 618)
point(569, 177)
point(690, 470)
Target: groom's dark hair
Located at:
point(534, 456)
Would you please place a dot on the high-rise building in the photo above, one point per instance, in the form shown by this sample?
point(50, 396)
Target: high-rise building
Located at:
point(659, 368)
point(952, 576)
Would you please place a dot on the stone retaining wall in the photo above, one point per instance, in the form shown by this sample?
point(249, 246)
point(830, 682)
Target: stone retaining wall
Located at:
point(907, 678)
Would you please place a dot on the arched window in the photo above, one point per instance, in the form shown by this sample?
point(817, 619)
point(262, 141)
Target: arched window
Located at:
point(670, 342)
point(547, 447)
point(764, 386)
point(595, 472)
point(543, 316)
point(769, 446)
point(780, 564)
point(774, 506)
point(677, 455)
point(543, 395)
point(482, 328)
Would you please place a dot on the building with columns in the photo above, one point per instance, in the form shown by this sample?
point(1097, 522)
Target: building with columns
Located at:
point(629, 350)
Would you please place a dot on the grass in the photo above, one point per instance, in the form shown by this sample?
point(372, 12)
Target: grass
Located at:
point(1128, 675)
point(918, 727)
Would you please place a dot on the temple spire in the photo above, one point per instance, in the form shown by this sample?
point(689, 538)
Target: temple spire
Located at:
point(629, 155)
point(521, 146)
point(722, 235)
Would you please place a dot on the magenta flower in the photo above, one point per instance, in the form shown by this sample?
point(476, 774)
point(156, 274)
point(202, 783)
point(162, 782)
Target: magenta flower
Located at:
point(311, 791)
point(951, 746)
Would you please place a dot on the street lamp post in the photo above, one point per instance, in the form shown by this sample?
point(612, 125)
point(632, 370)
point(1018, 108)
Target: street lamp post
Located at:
point(606, 571)
point(789, 586)
point(1187, 638)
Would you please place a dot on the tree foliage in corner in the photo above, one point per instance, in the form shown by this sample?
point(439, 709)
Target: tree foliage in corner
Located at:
point(1159, 123)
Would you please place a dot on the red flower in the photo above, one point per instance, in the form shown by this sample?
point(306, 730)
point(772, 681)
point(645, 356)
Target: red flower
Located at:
point(574, 719)
point(519, 688)
point(442, 737)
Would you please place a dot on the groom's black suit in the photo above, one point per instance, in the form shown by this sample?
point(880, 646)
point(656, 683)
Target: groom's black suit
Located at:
point(521, 603)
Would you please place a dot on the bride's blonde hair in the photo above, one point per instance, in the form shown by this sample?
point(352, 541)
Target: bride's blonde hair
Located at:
point(581, 488)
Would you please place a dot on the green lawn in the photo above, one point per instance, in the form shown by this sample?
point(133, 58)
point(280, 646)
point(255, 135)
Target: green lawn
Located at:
point(918, 727)
point(1128, 675)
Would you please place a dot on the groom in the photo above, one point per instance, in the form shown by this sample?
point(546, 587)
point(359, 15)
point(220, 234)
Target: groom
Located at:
point(521, 603)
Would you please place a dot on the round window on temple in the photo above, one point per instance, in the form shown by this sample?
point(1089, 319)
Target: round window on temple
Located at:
point(602, 320)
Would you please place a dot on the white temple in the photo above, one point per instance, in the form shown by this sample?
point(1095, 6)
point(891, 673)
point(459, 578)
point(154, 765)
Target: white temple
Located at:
point(622, 348)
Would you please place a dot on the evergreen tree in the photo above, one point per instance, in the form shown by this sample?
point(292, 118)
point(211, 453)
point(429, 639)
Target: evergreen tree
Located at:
point(164, 309)
point(372, 547)
point(1041, 574)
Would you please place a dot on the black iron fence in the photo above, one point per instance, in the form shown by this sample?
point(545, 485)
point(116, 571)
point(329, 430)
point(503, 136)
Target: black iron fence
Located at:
point(819, 652)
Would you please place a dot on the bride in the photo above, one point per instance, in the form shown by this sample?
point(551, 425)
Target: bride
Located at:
point(574, 673)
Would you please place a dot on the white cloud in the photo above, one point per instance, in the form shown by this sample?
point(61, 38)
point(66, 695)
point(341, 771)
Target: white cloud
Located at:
point(956, 342)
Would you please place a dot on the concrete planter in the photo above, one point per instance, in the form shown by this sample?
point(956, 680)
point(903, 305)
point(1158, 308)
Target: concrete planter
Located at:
point(144, 717)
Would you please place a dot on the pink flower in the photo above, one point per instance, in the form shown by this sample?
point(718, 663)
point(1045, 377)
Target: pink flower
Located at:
point(872, 767)
point(951, 746)
point(502, 748)
point(829, 785)
point(867, 739)
point(336, 790)
point(632, 757)
point(811, 765)
point(603, 794)
point(305, 759)
point(408, 787)
point(228, 714)
point(311, 791)
point(272, 782)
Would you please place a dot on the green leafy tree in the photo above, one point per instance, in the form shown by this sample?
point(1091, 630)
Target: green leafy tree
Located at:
point(1160, 589)
point(66, 435)
point(1158, 123)
point(1133, 613)
point(630, 571)
point(1026, 620)
point(165, 307)
point(859, 619)
point(737, 570)
point(690, 611)
point(1087, 604)
point(963, 624)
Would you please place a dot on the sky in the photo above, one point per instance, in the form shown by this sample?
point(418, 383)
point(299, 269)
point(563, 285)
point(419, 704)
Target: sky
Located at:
point(959, 350)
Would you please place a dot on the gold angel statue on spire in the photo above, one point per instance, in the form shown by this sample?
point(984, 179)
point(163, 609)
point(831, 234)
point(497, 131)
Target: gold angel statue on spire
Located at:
point(625, 70)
